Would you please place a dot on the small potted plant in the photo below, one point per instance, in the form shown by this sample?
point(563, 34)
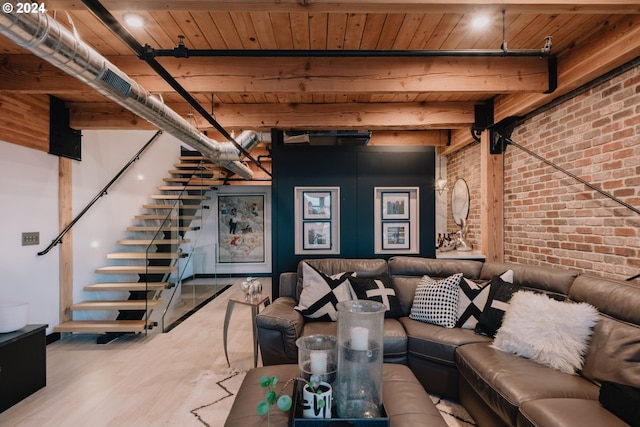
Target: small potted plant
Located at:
point(316, 398)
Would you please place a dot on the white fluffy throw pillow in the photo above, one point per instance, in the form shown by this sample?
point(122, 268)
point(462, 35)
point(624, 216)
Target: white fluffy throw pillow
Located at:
point(549, 332)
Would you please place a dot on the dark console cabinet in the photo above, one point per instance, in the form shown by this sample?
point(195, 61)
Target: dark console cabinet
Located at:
point(23, 366)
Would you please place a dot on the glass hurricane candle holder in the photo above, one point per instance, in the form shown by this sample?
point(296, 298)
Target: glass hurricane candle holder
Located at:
point(318, 355)
point(358, 387)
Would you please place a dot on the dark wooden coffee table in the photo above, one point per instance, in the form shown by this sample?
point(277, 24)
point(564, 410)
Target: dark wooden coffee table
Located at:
point(406, 402)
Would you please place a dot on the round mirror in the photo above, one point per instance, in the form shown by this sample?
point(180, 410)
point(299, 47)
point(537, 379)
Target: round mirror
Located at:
point(460, 201)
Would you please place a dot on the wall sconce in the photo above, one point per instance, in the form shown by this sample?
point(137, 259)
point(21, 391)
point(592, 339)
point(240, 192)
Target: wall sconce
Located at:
point(441, 183)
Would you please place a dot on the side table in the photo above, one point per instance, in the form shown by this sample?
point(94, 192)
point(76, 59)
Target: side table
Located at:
point(255, 309)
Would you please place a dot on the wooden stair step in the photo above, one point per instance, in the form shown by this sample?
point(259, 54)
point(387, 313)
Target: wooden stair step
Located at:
point(163, 217)
point(136, 269)
point(168, 206)
point(194, 180)
point(184, 188)
point(146, 255)
point(127, 286)
point(153, 241)
point(193, 171)
point(156, 228)
point(117, 305)
point(177, 197)
point(101, 326)
point(191, 165)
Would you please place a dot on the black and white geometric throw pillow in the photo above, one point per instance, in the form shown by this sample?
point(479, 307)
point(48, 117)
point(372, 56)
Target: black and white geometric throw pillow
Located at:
point(321, 293)
point(497, 304)
point(471, 301)
point(437, 301)
point(379, 289)
point(473, 298)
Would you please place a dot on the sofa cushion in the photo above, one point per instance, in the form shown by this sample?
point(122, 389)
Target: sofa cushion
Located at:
point(505, 381)
point(566, 412)
point(556, 281)
point(321, 293)
point(436, 301)
point(550, 332)
point(435, 343)
point(614, 352)
point(377, 289)
point(490, 319)
point(395, 337)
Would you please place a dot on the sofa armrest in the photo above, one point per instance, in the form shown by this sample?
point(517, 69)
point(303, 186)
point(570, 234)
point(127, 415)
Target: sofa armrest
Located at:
point(279, 326)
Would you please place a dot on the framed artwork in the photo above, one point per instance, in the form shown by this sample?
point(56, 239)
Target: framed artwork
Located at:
point(395, 235)
point(395, 205)
point(317, 205)
point(241, 229)
point(316, 235)
point(235, 232)
point(396, 220)
point(317, 220)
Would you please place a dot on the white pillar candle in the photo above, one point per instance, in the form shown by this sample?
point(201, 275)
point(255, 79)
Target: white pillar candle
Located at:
point(359, 338)
point(318, 362)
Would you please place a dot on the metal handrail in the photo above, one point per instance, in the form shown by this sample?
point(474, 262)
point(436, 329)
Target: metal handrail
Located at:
point(101, 193)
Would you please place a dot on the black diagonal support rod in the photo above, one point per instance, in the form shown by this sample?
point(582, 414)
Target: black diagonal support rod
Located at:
point(112, 23)
point(506, 140)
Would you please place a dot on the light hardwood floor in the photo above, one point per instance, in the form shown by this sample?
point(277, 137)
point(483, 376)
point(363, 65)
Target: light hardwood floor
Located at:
point(138, 380)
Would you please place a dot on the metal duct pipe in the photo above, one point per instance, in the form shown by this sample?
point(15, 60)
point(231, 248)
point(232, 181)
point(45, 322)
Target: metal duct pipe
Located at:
point(46, 38)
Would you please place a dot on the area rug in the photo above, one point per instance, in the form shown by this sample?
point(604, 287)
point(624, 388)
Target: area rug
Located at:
point(214, 391)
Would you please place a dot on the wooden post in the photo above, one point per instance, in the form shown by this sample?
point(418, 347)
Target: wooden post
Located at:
point(492, 203)
point(66, 246)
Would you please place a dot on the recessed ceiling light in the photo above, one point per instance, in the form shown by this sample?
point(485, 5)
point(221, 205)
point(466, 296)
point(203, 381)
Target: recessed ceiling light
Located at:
point(134, 20)
point(480, 21)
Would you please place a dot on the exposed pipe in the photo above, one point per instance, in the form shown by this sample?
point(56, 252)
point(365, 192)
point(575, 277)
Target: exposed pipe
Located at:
point(183, 52)
point(96, 7)
point(46, 38)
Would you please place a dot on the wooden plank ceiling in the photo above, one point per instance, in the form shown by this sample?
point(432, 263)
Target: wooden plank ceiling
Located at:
point(352, 92)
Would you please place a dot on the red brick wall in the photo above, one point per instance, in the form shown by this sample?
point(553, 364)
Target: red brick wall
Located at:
point(552, 219)
point(465, 164)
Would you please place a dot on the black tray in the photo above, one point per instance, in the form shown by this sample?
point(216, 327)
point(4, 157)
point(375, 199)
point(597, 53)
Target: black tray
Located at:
point(296, 420)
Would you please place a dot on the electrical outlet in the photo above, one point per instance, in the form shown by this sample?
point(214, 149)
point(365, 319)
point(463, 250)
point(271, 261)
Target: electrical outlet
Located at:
point(31, 238)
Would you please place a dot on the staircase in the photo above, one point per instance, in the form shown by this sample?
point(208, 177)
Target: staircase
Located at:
point(152, 253)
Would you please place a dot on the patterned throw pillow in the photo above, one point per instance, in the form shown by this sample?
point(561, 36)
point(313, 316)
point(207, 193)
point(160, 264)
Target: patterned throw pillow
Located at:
point(473, 298)
point(437, 301)
point(321, 293)
point(377, 289)
point(497, 304)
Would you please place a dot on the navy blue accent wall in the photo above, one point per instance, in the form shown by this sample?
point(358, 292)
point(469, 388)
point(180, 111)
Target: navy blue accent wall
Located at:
point(356, 170)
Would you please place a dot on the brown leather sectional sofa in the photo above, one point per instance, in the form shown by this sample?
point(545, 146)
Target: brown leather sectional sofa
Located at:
point(496, 388)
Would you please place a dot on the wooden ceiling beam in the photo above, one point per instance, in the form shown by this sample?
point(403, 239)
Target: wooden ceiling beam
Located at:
point(28, 74)
point(372, 116)
point(615, 44)
point(362, 6)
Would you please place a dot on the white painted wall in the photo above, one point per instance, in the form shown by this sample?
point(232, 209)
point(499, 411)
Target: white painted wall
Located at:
point(29, 197)
point(29, 188)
